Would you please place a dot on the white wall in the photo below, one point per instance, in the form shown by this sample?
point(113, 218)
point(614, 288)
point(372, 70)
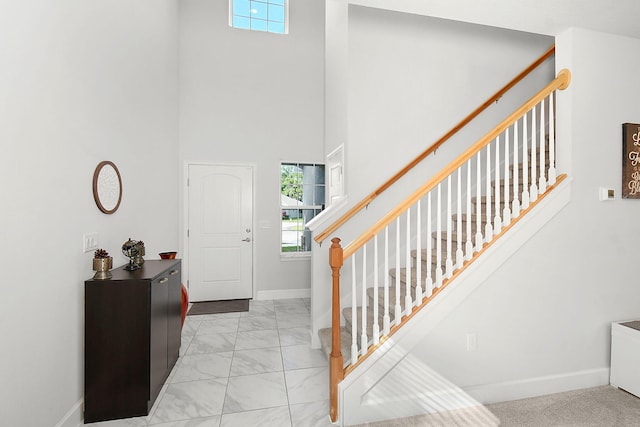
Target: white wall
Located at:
point(252, 97)
point(80, 82)
point(410, 79)
point(544, 317)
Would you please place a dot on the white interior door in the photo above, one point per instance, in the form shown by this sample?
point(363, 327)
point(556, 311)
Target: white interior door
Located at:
point(220, 232)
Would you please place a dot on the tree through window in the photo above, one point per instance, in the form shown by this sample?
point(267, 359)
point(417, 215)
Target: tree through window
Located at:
point(302, 197)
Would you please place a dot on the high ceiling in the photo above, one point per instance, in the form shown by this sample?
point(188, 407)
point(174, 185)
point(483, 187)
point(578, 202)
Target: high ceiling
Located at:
point(549, 17)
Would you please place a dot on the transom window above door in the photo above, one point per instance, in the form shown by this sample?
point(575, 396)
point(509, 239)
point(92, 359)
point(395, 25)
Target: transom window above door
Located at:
point(260, 15)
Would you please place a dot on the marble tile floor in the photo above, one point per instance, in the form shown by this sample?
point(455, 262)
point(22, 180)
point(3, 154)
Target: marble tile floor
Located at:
point(255, 368)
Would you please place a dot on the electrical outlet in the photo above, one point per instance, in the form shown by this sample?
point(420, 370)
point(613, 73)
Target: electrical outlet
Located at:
point(89, 242)
point(472, 341)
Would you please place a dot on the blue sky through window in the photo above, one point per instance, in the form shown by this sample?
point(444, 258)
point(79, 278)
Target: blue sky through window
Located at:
point(259, 15)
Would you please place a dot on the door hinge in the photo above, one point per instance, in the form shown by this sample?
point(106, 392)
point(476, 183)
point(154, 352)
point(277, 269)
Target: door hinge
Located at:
point(187, 232)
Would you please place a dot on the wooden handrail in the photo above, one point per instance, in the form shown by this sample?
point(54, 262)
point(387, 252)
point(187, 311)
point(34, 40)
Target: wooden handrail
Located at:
point(561, 82)
point(365, 202)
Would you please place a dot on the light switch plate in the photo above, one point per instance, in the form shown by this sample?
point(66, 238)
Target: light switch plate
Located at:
point(89, 242)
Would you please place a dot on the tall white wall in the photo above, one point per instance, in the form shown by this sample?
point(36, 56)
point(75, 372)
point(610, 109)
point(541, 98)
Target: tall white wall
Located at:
point(80, 82)
point(258, 98)
point(410, 79)
point(543, 320)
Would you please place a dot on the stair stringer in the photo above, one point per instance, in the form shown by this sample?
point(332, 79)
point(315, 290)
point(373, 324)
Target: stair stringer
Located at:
point(361, 395)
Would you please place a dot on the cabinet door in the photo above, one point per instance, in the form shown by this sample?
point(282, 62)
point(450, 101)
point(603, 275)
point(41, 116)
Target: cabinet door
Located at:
point(158, 345)
point(116, 349)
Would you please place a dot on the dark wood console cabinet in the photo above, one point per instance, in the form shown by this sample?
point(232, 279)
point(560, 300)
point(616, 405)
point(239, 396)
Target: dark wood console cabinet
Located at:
point(132, 338)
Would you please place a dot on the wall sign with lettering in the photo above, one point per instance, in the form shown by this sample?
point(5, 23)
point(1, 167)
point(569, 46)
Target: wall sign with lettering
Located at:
point(630, 161)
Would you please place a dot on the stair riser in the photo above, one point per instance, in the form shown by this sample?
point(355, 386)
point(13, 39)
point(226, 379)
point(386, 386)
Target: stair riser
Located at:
point(392, 300)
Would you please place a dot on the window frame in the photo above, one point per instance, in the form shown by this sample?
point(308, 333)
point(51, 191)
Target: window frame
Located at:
point(267, 3)
point(314, 207)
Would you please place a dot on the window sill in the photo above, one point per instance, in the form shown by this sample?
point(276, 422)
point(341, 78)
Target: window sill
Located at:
point(295, 256)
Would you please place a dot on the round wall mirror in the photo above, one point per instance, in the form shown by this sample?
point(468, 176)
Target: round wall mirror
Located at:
point(107, 187)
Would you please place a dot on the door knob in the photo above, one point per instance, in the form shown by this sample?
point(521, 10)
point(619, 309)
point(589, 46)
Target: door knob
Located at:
point(248, 239)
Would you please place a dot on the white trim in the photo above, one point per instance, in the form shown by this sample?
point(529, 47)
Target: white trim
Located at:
point(538, 386)
point(73, 417)
point(330, 213)
point(295, 256)
point(283, 294)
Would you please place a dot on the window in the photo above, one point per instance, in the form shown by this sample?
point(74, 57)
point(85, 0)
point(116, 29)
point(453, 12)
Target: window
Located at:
point(302, 189)
point(260, 15)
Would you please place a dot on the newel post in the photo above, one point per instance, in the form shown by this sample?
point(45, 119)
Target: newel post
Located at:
point(336, 361)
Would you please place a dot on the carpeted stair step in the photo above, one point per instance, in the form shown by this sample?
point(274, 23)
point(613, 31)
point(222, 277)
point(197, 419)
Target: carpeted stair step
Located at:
point(501, 183)
point(473, 217)
point(434, 259)
point(521, 166)
point(348, 322)
point(392, 299)
point(483, 202)
point(454, 237)
point(345, 343)
point(403, 276)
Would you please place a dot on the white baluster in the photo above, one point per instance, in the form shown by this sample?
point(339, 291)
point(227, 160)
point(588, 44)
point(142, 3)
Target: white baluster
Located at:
point(533, 191)
point(479, 238)
point(418, 299)
point(497, 223)
point(552, 141)
point(407, 298)
point(459, 252)
point(354, 312)
point(515, 204)
point(363, 309)
point(386, 320)
point(506, 212)
point(398, 308)
point(469, 245)
point(488, 228)
point(525, 164)
point(376, 325)
point(429, 281)
point(439, 272)
point(542, 187)
point(449, 261)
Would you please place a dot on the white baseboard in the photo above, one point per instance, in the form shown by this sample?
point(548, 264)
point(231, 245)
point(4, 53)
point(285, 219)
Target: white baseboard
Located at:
point(533, 387)
point(283, 294)
point(73, 418)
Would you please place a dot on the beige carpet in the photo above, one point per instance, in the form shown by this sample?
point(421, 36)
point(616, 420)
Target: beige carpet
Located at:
point(593, 407)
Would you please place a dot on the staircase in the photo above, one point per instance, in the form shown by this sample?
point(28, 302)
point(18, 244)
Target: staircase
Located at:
point(467, 221)
point(402, 275)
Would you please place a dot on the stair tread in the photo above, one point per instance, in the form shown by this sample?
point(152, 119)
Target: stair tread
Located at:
point(454, 235)
point(347, 313)
point(483, 199)
point(403, 276)
point(345, 343)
